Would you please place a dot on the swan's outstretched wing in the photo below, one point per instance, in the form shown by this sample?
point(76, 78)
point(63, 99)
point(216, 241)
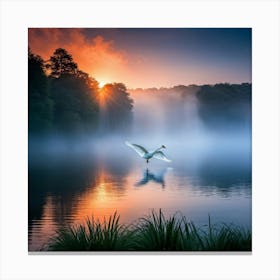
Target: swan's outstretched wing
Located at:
point(141, 151)
point(160, 155)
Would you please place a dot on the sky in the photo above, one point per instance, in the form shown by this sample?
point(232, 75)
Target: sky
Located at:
point(152, 57)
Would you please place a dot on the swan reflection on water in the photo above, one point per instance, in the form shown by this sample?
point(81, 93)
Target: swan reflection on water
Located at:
point(153, 177)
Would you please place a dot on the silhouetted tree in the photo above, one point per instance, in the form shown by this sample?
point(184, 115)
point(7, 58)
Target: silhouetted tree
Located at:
point(74, 94)
point(116, 106)
point(61, 62)
point(40, 105)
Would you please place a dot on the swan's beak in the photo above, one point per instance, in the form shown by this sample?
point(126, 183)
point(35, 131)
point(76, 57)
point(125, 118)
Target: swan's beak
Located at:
point(163, 146)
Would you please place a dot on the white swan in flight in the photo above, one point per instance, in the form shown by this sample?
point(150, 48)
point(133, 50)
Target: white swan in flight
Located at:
point(142, 152)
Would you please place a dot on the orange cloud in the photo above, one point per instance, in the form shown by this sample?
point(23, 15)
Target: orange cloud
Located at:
point(101, 59)
point(97, 56)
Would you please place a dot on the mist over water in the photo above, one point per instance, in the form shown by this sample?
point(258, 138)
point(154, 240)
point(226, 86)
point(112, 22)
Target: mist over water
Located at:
point(168, 120)
point(210, 172)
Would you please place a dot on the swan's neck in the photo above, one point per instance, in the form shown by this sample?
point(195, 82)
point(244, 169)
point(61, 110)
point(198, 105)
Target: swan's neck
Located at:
point(158, 149)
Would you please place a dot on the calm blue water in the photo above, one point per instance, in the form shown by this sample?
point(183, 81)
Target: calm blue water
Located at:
point(105, 176)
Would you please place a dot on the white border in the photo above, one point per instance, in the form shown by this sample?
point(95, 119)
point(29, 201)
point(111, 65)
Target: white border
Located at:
point(17, 16)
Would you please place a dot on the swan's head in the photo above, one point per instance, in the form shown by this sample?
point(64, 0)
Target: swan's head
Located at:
point(163, 147)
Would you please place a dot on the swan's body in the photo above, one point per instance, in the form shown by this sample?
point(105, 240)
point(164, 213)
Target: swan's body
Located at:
point(142, 152)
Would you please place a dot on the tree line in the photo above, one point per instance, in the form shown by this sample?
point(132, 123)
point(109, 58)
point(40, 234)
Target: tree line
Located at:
point(218, 105)
point(63, 99)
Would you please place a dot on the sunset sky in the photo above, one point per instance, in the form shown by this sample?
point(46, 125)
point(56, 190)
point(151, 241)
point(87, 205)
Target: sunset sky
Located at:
point(152, 57)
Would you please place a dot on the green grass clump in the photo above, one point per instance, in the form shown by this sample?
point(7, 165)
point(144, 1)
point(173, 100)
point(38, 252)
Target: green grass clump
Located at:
point(93, 236)
point(226, 238)
point(154, 232)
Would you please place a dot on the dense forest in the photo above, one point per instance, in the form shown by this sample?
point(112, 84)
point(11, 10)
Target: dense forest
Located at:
point(63, 99)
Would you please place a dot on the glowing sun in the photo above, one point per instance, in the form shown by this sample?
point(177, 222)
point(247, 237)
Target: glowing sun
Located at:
point(103, 82)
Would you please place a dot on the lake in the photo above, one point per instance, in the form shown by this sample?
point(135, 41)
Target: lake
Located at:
point(69, 182)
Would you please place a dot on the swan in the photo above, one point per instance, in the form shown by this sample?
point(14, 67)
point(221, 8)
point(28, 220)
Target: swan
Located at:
point(142, 152)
